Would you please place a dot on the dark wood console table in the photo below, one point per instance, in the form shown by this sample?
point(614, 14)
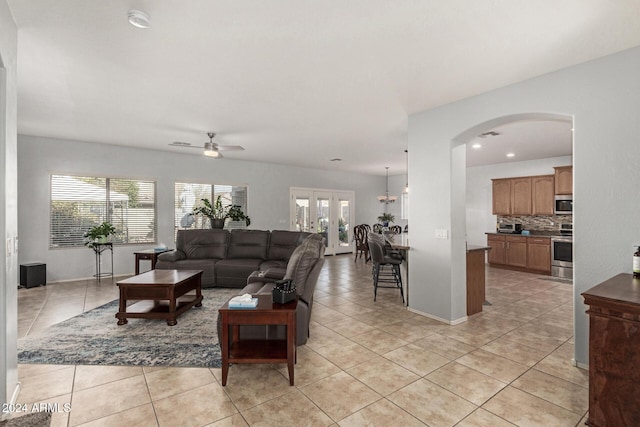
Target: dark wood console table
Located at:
point(267, 312)
point(614, 352)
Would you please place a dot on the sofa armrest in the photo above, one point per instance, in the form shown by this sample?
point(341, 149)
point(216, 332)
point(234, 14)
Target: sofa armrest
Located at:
point(267, 276)
point(172, 256)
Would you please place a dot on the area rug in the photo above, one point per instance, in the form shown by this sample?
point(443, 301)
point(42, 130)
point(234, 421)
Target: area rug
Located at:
point(94, 338)
point(38, 419)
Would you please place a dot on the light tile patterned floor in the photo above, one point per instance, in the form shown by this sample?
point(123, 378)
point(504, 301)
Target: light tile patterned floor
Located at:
point(366, 363)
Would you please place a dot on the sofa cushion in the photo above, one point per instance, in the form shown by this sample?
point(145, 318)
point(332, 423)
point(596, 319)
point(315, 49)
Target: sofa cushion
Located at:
point(233, 273)
point(282, 243)
point(265, 265)
point(199, 244)
point(248, 244)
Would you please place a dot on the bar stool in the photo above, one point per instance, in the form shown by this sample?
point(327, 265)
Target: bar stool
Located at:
point(386, 268)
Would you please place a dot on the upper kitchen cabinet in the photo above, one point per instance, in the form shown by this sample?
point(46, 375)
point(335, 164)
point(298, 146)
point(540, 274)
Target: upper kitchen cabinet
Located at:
point(501, 196)
point(564, 179)
point(521, 196)
point(512, 196)
point(542, 192)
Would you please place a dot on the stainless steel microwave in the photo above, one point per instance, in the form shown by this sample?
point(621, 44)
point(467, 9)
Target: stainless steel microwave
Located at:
point(563, 204)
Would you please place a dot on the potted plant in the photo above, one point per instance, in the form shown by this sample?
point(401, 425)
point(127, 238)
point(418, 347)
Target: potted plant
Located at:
point(235, 214)
point(386, 218)
point(216, 213)
point(99, 233)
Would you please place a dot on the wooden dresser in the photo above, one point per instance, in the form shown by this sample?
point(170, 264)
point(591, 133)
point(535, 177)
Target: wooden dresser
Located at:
point(614, 352)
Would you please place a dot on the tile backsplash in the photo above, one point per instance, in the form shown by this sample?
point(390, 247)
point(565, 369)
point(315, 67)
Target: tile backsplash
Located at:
point(543, 223)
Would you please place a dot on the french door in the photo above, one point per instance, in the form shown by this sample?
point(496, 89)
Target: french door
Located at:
point(326, 212)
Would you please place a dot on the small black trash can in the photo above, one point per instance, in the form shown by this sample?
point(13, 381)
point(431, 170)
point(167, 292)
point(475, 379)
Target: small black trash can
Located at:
point(32, 275)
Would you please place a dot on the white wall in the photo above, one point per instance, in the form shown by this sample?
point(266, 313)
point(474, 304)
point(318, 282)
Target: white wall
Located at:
point(8, 205)
point(479, 191)
point(603, 96)
point(268, 194)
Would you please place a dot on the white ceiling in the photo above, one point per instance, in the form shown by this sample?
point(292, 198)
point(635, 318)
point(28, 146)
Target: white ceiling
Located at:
point(294, 82)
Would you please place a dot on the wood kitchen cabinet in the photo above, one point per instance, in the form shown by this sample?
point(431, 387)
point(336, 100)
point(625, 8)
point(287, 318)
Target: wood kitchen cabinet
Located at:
point(522, 253)
point(542, 192)
point(507, 250)
point(516, 251)
point(501, 196)
point(539, 254)
point(512, 196)
point(498, 245)
point(521, 196)
point(564, 180)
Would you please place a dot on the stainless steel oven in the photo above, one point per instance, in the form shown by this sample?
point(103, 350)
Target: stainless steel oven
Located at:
point(562, 257)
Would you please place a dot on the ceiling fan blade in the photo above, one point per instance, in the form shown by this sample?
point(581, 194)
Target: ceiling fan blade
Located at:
point(184, 145)
point(230, 148)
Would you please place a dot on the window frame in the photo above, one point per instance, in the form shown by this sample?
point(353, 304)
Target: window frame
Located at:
point(107, 205)
point(200, 223)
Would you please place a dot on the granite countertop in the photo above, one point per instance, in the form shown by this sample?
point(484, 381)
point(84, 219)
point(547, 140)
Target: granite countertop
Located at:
point(471, 248)
point(534, 233)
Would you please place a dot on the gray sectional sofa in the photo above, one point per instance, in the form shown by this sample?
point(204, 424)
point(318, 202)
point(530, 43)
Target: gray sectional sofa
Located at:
point(227, 258)
point(252, 260)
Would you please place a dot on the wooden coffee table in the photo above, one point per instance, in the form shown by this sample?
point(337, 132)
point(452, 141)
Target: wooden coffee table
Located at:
point(258, 351)
point(164, 288)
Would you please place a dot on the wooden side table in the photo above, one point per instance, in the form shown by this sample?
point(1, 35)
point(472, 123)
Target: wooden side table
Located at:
point(267, 312)
point(148, 254)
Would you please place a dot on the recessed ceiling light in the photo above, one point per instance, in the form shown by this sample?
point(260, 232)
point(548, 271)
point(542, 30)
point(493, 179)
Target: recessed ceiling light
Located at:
point(138, 19)
point(476, 146)
point(511, 155)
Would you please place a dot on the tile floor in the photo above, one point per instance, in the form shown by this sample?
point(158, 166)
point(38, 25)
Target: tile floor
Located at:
point(366, 363)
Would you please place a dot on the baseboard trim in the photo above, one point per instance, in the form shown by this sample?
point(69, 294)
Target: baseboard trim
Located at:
point(439, 319)
point(577, 364)
point(90, 278)
point(14, 399)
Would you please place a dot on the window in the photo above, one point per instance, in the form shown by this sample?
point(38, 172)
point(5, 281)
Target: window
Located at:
point(188, 196)
point(80, 202)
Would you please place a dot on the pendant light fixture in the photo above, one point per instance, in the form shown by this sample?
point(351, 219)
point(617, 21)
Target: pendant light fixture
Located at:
point(386, 199)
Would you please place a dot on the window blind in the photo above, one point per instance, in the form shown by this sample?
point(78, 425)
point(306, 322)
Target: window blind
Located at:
point(80, 202)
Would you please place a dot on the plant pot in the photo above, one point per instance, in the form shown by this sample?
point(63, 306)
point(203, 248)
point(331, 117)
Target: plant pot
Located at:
point(217, 222)
point(101, 239)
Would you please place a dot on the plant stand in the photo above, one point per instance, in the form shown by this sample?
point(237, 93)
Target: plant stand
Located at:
point(98, 249)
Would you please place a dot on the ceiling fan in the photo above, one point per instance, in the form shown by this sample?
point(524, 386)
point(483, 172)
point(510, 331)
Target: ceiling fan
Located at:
point(211, 149)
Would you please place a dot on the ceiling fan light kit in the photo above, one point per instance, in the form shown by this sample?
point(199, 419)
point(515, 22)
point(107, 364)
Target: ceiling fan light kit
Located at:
point(138, 18)
point(211, 149)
